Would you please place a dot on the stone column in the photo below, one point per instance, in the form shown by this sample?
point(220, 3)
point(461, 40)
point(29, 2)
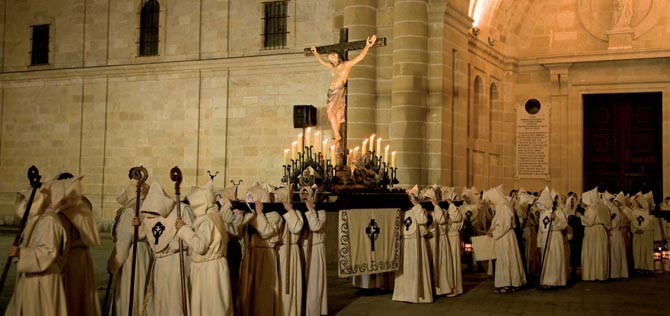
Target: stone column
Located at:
point(360, 17)
point(409, 89)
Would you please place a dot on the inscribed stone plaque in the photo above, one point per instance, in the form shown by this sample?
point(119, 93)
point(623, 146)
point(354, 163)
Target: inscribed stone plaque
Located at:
point(532, 140)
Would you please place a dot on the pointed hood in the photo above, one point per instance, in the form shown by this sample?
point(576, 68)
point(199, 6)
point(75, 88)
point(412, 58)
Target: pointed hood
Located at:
point(497, 197)
point(40, 202)
point(129, 193)
point(202, 199)
point(281, 194)
point(448, 193)
point(545, 201)
point(642, 202)
point(429, 193)
point(257, 193)
point(650, 199)
point(157, 201)
point(66, 198)
point(414, 191)
point(64, 192)
point(620, 198)
point(590, 197)
point(467, 193)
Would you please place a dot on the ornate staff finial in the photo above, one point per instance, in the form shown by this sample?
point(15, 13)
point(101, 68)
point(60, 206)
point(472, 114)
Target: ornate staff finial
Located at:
point(212, 176)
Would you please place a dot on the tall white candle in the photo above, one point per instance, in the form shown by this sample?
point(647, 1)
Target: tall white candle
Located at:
point(324, 148)
point(386, 154)
point(372, 142)
point(294, 147)
point(285, 157)
point(379, 146)
point(333, 156)
point(308, 137)
point(317, 142)
point(300, 144)
point(393, 159)
point(364, 147)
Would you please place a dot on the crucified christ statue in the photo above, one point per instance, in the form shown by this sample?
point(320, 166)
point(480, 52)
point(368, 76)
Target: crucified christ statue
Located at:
point(340, 70)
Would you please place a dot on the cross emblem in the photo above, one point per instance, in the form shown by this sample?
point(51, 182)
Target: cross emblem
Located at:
point(468, 214)
point(372, 231)
point(157, 231)
point(546, 221)
point(640, 219)
point(407, 222)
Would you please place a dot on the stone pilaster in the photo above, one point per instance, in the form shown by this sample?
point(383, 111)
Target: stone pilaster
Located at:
point(409, 88)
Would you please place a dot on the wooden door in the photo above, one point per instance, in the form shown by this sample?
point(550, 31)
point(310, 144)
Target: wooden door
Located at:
point(622, 142)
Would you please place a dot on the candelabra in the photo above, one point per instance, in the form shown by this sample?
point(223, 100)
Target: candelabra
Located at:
point(308, 168)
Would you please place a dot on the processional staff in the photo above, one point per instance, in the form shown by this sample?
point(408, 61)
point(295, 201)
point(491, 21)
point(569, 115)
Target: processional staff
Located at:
point(34, 178)
point(176, 176)
point(140, 174)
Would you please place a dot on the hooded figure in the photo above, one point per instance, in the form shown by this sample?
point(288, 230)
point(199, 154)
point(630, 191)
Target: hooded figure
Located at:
point(413, 283)
point(595, 246)
point(259, 280)
point(550, 242)
point(290, 266)
point(439, 250)
point(528, 220)
point(120, 261)
point(618, 259)
point(645, 229)
point(160, 217)
point(313, 243)
point(76, 214)
point(207, 238)
point(39, 281)
point(509, 273)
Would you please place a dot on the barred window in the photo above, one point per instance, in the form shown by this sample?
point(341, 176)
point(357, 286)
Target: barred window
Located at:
point(39, 55)
point(274, 28)
point(149, 28)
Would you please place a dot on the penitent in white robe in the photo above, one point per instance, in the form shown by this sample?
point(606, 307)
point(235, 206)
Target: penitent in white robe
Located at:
point(440, 253)
point(210, 277)
point(314, 260)
point(412, 282)
point(290, 266)
point(259, 280)
point(509, 267)
point(39, 283)
point(166, 272)
point(554, 271)
point(454, 225)
point(645, 230)
point(120, 263)
point(595, 247)
point(618, 258)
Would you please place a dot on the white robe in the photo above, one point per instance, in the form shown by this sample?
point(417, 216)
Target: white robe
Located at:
point(645, 230)
point(314, 260)
point(166, 272)
point(210, 276)
point(120, 263)
point(290, 267)
point(39, 283)
point(618, 258)
point(259, 280)
point(78, 274)
point(595, 246)
point(554, 272)
point(440, 253)
point(455, 223)
point(509, 267)
point(412, 282)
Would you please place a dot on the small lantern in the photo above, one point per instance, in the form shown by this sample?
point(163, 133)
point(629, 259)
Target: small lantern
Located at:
point(468, 248)
point(666, 259)
point(658, 260)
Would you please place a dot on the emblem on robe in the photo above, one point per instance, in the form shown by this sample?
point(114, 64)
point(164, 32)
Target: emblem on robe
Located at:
point(546, 221)
point(468, 214)
point(407, 222)
point(157, 231)
point(640, 219)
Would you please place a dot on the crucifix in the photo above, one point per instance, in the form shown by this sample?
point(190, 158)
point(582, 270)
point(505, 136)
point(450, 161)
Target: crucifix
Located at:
point(372, 231)
point(340, 65)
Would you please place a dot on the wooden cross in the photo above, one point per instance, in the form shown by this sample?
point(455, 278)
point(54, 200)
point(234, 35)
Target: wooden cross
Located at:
point(342, 48)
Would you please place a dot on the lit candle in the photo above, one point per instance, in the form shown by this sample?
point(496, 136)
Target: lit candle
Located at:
point(372, 142)
point(294, 146)
point(356, 153)
point(308, 137)
point(324, 148)
point(379, 146)
point(317, 142)
point(386, 154)
point(333, 156)
point(393, 159)
point(364, 147)
point(285, 157)
point(300, 146)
